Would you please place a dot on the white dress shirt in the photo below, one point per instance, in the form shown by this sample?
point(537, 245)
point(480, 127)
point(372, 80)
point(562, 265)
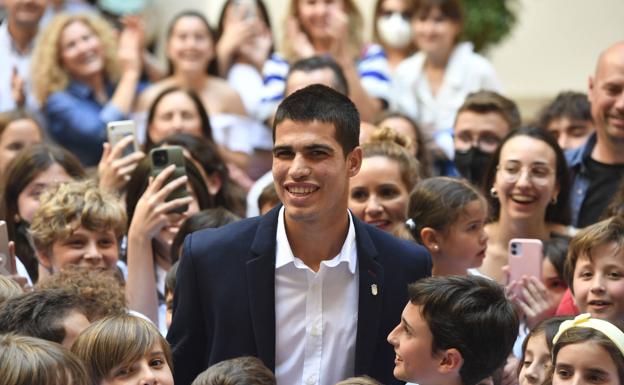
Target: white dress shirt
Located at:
point(466, 72)
point(316, 314)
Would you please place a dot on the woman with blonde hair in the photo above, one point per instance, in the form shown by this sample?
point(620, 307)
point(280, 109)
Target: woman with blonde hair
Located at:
point(124, 347)
point(379, 193)
point(28, 360)
point(332, 28)
point(84, 79)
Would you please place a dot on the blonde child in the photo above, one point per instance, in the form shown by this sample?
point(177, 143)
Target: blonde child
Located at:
point(447, 216)
point(124, 349)
point(594, 270)
point(588, 350)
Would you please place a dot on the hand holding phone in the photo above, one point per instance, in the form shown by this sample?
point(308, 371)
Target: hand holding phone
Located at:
point(525, 258)
point(120, 129)
point(163, 157)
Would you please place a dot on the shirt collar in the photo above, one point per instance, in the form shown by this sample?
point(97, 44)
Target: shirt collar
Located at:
point(284, 254)
point(6, 38)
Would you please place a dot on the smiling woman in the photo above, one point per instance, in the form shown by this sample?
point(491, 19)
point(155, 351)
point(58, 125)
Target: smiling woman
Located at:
point(379, 193)
point(85, 79)
point(527, 183)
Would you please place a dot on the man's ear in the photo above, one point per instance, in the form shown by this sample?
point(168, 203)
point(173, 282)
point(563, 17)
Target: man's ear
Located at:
point(431, 238)
point(354, 161)
point(451, 361)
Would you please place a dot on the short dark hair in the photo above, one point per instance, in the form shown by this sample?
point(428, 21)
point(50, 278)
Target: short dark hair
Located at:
point(320, 62)
point(451, 9)
point(567, 104)
point(471, 314)
point(236, 371)
point(39, 314)
point(555, 213)
point(484, 101)
point(555, 250)
point(323, 104)
point(268, 196)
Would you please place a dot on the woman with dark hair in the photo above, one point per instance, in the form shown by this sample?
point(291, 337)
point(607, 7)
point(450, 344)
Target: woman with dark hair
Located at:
point(432, 84)
point(28, 175)
point(528, 186)
point(18, 129)
point(177, 110)
point(152, 227)
point(392, 29)
point(190, 52)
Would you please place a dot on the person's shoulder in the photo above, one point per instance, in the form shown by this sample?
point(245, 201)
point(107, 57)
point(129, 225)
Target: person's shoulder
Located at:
point(395, 249)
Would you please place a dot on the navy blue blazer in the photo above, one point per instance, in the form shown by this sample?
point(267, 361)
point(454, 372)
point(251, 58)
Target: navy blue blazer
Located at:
point(224, 304)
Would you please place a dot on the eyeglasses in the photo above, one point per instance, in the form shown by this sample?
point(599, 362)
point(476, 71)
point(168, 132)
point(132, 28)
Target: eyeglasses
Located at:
point(486, 142)
point(538, 174)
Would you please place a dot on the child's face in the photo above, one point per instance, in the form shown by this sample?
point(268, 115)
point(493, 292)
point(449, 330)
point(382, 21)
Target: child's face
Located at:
point(585, 363)
point(466, 240)
point(599, 284)
point(84, 247)
point(536, 366)
point(152, 368)
point(412, 341)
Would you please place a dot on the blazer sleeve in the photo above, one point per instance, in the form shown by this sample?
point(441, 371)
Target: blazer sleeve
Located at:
point(188, 333)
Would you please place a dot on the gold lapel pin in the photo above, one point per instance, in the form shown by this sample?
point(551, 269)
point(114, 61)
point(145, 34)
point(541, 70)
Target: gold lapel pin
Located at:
point(374, 290)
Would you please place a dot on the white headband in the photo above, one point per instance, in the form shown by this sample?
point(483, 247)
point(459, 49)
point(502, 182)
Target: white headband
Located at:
point(585, 320)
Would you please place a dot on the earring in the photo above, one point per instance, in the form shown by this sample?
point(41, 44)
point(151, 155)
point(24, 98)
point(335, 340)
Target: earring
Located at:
point(435, 247)
point(553, 201)
point(493, 192)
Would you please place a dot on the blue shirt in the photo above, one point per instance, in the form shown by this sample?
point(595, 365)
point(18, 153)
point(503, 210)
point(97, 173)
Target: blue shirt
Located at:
point(577, 158)
point(77, 121)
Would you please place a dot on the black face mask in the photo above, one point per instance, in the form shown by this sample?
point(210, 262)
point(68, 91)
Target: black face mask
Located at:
point(472, 164)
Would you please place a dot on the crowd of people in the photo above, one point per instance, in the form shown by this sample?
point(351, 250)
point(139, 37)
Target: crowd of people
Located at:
point(330, 210)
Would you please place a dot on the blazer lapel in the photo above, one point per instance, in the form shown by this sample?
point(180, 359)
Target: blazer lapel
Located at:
point(371, 275)
point(261, 286)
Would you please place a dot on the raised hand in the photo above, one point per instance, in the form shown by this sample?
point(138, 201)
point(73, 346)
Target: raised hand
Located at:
point(114, 169)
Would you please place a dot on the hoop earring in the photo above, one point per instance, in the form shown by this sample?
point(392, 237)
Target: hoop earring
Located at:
point(493, 192)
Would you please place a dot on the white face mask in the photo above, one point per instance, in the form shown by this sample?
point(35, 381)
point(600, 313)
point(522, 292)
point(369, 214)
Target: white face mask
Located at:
point(394, 30)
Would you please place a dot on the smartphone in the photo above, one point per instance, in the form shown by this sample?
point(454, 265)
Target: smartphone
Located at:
point(5, 256)
point(246, 8)
point(161, 158)
point(120, 129)
point(525, 258)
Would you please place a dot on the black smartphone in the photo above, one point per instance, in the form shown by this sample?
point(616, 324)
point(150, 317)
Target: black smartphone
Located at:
point(161, 158)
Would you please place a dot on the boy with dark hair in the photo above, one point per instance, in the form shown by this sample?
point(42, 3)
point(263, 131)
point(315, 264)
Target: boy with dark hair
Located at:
point(53, 315)
point(568, 118)
point(454, 330)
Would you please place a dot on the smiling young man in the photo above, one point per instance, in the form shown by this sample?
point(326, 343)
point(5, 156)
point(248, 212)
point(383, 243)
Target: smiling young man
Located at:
point(307, 288)
point(454, 331)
